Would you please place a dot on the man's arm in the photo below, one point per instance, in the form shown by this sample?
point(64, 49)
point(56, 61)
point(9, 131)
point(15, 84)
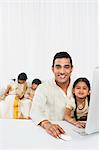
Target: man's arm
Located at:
point(38, 114)
point(53, 129)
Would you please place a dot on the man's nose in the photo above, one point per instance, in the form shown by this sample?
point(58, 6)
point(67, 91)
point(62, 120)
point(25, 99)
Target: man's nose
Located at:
point(62, 70)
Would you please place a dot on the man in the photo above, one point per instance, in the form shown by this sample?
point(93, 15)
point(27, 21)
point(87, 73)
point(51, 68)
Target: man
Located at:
point(34, 86)
point(51, 97)
point(25, 103)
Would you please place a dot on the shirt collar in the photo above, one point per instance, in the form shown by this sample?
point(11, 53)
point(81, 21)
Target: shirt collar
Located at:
point(69, 90)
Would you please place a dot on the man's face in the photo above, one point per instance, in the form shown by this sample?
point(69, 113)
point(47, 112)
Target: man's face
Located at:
point(34, 86)
point(62, 70)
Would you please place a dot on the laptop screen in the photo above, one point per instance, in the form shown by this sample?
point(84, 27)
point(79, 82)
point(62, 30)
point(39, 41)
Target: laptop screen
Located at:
point(92, 124)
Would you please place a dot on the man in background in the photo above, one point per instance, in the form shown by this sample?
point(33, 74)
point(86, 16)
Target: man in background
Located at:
point(25, 103)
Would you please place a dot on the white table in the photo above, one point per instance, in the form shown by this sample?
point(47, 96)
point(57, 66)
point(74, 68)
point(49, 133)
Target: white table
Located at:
point(24, 134)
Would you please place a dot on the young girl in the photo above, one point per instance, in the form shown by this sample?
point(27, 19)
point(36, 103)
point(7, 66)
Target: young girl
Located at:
point(77, 108)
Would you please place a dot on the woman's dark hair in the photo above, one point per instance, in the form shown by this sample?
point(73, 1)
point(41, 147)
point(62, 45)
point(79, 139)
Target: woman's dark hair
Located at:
point(13, 80)
point(62, 55)
point(22, 76)
point(86, 81)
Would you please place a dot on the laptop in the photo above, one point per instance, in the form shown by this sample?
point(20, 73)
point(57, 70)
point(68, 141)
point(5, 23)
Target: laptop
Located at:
point(92, 123)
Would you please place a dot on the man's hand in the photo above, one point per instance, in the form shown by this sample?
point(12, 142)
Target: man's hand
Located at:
point(53, 129)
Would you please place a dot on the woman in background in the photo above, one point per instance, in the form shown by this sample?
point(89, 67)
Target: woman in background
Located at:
point(13, 94)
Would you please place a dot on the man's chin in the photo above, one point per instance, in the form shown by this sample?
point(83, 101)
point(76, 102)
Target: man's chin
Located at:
point(61, 81)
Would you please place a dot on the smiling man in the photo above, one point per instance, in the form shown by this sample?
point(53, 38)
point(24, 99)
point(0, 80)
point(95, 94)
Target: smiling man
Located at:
point(51, 97)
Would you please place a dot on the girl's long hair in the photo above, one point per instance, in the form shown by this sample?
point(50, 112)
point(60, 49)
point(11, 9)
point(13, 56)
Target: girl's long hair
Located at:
point(82, 79)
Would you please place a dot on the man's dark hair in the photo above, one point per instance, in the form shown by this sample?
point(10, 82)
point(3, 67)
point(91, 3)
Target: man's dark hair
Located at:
point(62, 55)
point(22, 76)
point(36, 81)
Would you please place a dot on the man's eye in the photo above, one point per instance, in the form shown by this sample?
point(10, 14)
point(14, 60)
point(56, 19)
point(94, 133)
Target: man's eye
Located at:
point(58, 67)
point(67, 66)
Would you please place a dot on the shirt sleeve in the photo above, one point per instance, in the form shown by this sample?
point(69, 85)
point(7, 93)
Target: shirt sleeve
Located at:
point(71, 104)
point(37, 112)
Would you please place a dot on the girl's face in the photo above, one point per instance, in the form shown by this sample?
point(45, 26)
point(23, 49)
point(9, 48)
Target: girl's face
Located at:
point(81, 90)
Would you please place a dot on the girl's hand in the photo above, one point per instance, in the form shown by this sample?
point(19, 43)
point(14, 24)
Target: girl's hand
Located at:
point(80, 124)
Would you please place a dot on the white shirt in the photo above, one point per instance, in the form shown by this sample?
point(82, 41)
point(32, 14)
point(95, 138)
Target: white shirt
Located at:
point(72, 106)
point(49, 102)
